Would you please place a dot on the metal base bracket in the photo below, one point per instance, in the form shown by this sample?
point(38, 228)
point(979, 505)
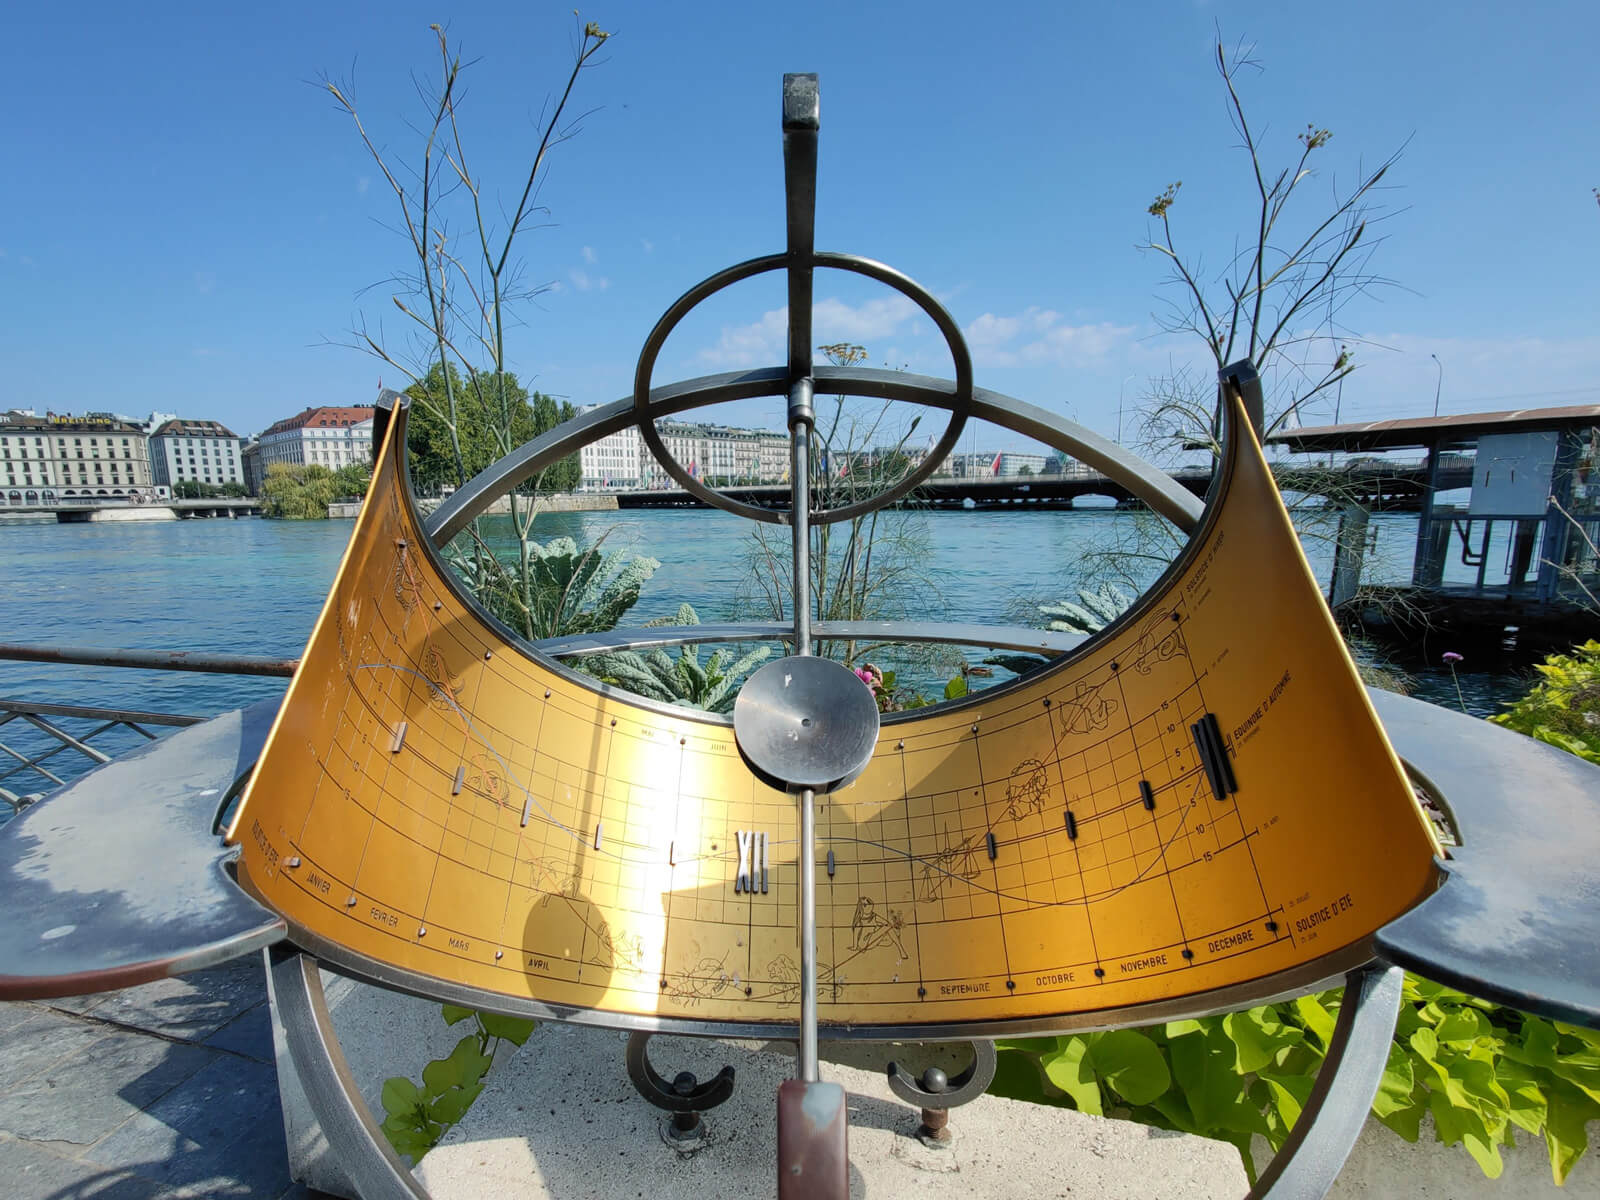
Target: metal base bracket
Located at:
point(334, 1144)
point(686, 1098)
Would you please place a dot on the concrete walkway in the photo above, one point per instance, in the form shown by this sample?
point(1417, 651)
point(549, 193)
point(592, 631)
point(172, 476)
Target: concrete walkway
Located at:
point(166, 1090)
point(169, 1091)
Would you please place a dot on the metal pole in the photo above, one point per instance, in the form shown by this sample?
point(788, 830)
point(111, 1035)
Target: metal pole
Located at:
point(808, 938)
point(801, 418)
point(801, 112)
point(1437, 383)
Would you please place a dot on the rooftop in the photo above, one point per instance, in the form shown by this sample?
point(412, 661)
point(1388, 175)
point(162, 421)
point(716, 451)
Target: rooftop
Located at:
point(320, 417)
point(181, 427)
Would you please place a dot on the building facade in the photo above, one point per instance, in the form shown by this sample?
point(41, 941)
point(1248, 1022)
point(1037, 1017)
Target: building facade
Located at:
point(325, 437)
point(255, 474)
point(58, 459)
point(198, 451)
point(720, 454)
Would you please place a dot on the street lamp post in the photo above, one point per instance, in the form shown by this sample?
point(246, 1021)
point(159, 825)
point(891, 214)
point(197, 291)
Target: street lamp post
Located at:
point(1120, 391)
point(1437, 383)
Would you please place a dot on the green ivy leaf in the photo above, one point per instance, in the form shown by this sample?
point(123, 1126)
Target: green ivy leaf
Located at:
point(1068, 1067)
point(454, 1014)
point(400, 1096)
point(464, 1067)
point(1565, 1134)
point(449, 1108)
point(1018, 1075)
point(1202, 1065)
point(955, 689)
point(1289, 1095)
point(1463, 1026)
point(1582, 1070)
point(1396, 1085)
point(1426, 1044)
point(1453, 1124)
point(1316, 1017)
point(511, 1029)
point(1406, 1121)
point(1131, 1065)
point(410, 1137)
point(1260, 1037)
point(1526, 1106)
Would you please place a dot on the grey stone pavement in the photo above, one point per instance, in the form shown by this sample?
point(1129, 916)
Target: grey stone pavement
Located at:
point(169, 1091)
point(165, 1090)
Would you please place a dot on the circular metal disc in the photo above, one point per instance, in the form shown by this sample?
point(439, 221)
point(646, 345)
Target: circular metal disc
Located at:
point(804, 722)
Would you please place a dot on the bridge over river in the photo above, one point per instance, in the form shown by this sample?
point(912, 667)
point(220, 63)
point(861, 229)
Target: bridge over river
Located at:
point(1376, 485)
point(67, 511)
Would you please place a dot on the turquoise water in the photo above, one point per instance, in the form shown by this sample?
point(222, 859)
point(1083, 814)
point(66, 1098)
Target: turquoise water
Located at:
point(255, 587)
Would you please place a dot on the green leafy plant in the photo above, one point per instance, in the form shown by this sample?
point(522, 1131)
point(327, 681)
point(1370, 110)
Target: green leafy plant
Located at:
point(1563, 708)
point(555, 588)
point(1098, 608)
point(420, 1114)
point(681, 680)
point(1481, 1071)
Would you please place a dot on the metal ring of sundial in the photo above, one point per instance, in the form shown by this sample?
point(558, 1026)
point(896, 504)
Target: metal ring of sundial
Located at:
point(806, 722)
point(959, 408)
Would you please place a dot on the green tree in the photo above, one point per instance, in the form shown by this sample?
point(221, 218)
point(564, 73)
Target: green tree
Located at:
point(493, 414)
point(298, 493)
point(352, 479)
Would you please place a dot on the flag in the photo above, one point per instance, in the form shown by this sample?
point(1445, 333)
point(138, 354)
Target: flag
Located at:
point(994, 467)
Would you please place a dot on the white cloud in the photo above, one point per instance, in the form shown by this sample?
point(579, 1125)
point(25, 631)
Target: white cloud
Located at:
point(362, 184)
point(836, 321)
point(585, 282)
point(588, 254)
point(761, 343)
point(765, 342)
point(649, 246)
point(1041, 337)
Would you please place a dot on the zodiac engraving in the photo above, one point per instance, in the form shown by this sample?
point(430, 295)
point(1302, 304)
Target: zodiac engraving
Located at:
point(784, 973)
point(1159, 642)
point(1027, 790)
point(870, 929)
point(1088, 710)
point(707, 979)
point(445, 695)
point(960, 861)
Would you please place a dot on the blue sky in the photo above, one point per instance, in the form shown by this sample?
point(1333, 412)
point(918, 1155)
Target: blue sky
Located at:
point(187, 220)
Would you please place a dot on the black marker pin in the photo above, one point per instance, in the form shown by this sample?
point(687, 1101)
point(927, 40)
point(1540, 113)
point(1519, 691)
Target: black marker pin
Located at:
point(993, 853)
point(1147, 795)
point(1072, 825)
point(830, 864)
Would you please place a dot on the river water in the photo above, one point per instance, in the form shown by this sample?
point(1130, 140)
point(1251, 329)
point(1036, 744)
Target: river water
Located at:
point(256, 586)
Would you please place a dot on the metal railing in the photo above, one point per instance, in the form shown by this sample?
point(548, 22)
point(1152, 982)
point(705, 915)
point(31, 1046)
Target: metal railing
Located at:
point(63, 747)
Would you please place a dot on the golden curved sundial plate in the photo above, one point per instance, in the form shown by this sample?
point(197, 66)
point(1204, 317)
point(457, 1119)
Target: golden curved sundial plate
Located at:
point(1201, 803)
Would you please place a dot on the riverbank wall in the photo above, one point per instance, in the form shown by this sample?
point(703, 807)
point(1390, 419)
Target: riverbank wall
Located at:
point(564, 503)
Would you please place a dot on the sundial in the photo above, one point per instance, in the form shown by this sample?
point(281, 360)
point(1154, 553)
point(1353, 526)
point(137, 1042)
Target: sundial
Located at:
point(1197, 810)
